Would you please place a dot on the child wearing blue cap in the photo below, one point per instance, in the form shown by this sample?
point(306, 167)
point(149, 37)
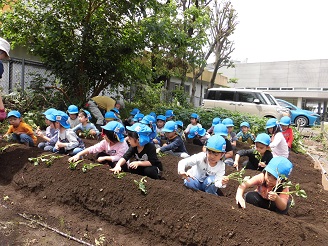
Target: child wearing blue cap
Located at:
point(287, 131)
point(222, 130)
point(19, 130)
point(198, 135)
point(215, 121)
point(151, 122)
point(50, 137)
point(245, 135)
point(129, 121)
point(194, 121)
point(232, 136)
point(160, 135)
point(68, 142)
point(73, 112)
point(270, 193)
point(86, 128)
point(110, 116)
point(278, 143)
point(174, 145)
point(109, 150)
point(206, 169)
point(146, 162)
point(169, 114)
point(259, 157)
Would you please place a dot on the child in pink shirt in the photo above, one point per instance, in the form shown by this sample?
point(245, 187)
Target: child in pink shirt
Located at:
point(286, 130)
point(109, 150)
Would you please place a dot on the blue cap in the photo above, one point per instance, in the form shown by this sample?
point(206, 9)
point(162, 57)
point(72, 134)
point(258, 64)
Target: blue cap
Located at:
point(143, 132)
point(169, 113)
point(263, 138)
point(279, 166)
point(115, 110)
point(138, 117)
point(221, 130)
point(179, 123)
point(72, 109)
point(228, 122)
point(161, 117)
point(14, 113)
point(153, 114)
point(196, 131)
point(216, 121)
point(285, 121)
point(195, 116)
point(170, 126)
point(134, 111)
point(271, 123)
point(116, 127)
point(110, 115)
point(52, 116)
point(216, 143)
point(62, 118)
point(148, 119)
point(49, 111)
point(87, 113)
point(245, 124)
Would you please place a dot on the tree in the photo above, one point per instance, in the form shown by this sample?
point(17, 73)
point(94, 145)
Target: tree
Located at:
point(88, 44)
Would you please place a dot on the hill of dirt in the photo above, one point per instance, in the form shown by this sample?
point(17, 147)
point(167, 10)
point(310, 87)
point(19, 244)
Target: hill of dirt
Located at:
point(96, 207)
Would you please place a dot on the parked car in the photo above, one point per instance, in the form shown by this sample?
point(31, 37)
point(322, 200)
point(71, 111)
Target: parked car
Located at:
point(244, 100)
point(300, 117)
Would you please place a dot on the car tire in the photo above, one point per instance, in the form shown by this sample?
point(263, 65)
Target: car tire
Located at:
point(301, 121)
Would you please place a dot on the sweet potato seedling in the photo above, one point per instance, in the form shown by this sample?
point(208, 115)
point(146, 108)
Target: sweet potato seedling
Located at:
point(89, 166)
point(239, 176)
point(73, 165)
point(141, 184)
point(48, 159)
point(4, 148)
point(120, 175)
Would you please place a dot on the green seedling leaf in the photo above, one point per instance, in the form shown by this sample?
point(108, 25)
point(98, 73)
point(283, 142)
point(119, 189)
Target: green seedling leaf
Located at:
point(89, 166)
point(2, 149)
point(120, 175)
point(73, 165)
point(141, 184)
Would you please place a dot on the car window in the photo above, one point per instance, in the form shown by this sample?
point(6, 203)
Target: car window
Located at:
point(246, 97)
point(221, 95)
point(272, 101)
point(283, 104)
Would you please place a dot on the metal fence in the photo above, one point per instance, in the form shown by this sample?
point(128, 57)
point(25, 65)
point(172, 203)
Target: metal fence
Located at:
point(19, 74)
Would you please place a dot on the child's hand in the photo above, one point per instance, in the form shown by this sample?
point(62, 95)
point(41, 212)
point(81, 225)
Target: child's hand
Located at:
point(158, 150)
point(235, 165)
point(225, 180)
point(262, 164)
point(186, 176)
point(155, 141)
point(240, 201)
point(134, 165)
point(116, 169)
point(272, 196)
point(39, 133)
point(104, 158)
point(60, 145)
point(74, 158)
point(92, 132)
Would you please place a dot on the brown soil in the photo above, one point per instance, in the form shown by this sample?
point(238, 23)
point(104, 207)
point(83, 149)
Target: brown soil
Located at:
point(97, 205)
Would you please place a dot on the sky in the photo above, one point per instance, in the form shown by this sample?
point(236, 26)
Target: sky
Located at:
point(280, 30)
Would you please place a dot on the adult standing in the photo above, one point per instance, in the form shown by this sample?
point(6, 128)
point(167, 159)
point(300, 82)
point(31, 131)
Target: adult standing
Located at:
point(4, 54)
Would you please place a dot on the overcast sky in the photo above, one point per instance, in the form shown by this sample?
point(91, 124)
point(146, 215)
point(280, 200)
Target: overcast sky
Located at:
point(281, 30)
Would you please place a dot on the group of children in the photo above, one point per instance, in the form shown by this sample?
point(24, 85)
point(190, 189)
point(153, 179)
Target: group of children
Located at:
point(143, 136)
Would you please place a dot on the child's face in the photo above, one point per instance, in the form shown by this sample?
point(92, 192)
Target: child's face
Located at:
point(270, 180)
point(193, 121)
point(160, 123)
point(82, 118)
point(57, 125)
point(73, 116)
point(133, 142)
point(270, 130)
point(169, 135)
point(14, 121)
point(48, 122)
point(230, 128)
point(213, 157)
point(284, 128)
point(244, 129)
point(261, 148)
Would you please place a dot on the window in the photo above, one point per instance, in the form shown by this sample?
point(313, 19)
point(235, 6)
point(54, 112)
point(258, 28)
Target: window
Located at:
point(246, 97)
point(225, 95)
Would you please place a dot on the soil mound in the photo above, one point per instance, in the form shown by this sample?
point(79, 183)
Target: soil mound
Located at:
point(169, 214)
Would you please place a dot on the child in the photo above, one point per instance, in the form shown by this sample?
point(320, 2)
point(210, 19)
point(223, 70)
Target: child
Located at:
point(151, 122)
point(278, 143)
point(232, 136)
point(147, 162)
point(68, 142)
point(19, 130)
point(85, 126)
point(160, 138)
point(180, 130)
point(245, 135)
point(194, 118)
point(51, 134)
point(117, 114)
point(215, 121)
point(269, 193)
point(169, 114)
point(286, 130)
point(138, 117)
point(109, 150)
point(110, 116)
point(259, 157)
point(209, 170)
point(199, 135)
point(222, 131)
point(174, 145)
point(4, 54)
point(129, 121)
point(73, 112)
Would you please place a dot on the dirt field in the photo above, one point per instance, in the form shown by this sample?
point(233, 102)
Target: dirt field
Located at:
point(99, 209)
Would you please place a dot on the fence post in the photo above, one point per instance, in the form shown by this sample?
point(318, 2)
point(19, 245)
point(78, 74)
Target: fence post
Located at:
point(23, 75)
point(10, 76)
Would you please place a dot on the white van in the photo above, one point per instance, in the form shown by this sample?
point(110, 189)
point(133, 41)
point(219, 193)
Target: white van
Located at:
point(244, 100)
